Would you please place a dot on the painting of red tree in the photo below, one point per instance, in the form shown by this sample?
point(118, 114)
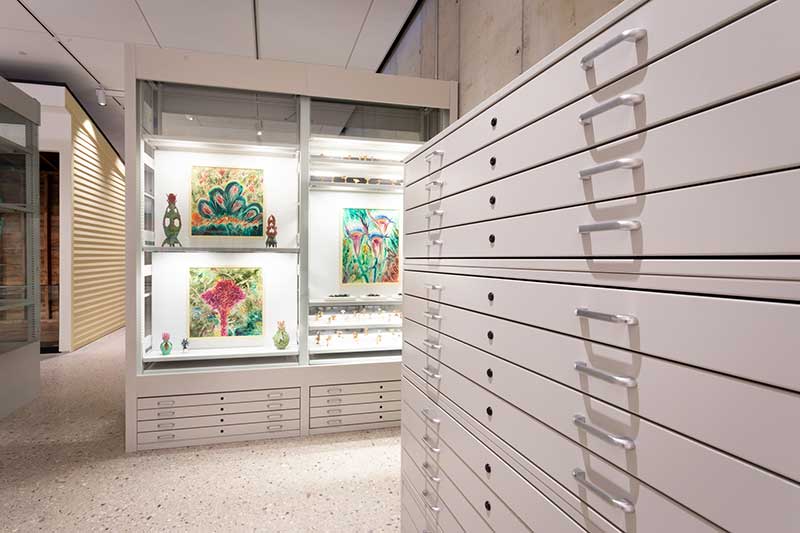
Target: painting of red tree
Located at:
point(225, 302)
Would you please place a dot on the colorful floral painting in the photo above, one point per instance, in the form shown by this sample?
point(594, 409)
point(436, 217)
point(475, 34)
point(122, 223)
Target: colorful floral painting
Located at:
point(370, 246)
point(227, 202)
point(225, 302)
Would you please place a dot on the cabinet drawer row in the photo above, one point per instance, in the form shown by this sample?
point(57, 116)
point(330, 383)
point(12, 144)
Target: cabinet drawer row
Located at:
point(354, 409)
point(751, 339)
point(651, 30)
point(217, 420)
point(348, 420)
point(165, 413)
point(477, 345)
point(219, 431)
point(353, 399)
point(354, 388)
point(632, 444)
point(184, 400)
point(736, 139)
point(742, 61)
point(443, 504)
point(714, 219)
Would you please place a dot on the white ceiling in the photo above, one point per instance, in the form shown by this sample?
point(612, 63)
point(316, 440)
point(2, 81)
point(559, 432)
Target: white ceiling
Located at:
point(353, 34)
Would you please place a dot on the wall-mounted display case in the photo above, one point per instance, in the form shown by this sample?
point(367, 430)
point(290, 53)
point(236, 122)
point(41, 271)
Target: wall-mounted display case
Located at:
point(265, 248)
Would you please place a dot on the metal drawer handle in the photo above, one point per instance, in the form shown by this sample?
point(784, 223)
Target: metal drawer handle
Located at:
point(627, 225)
point(166, 425)
point(433, 286)
point(425, 494)
point(436, 242)
point(434, 154)
point(435, 213)
point(427, 414)
point(620, 503)
point(274, 405)
point(433, 316)
point(632, 35)
point(625, 381)
point(166, 437)
point(425, 470)
point(622, 442)
point(166, 403)
point(334, 400)
point(275, 426)
point(427, 442)
point(334, 421)
point(165, 413)
point(431, 344)
point(335, 389)
point(434, 183)
point(606, 317)
point(274, 395)
point(625, 162)
point(431, 374)
point(274, 417)
point(334, 411)
point(630, 99)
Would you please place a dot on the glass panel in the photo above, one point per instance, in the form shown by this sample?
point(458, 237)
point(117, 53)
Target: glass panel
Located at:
point(148, 319)
point(149, 216)
point(13, 253)
point(149, 180)
point(15, 328)
point(374, 121)
point(13, 189)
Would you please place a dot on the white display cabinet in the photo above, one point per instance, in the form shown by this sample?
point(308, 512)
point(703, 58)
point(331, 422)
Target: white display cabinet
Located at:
point(255, 203)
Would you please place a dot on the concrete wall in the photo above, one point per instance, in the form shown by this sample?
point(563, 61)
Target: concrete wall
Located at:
point(484, 44)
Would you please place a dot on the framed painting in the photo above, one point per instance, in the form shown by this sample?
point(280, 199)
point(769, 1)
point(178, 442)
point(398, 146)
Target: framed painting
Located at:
point(370, 246)
point(227, 202)
point(225, 302)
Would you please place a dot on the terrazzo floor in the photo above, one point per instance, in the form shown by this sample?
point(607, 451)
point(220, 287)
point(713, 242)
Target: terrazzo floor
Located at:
point(63, 468)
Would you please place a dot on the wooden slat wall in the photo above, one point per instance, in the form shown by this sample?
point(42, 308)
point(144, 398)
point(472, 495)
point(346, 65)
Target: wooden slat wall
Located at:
point(98, 232)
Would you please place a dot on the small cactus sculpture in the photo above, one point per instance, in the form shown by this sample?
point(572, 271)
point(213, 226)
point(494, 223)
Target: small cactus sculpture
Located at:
point(166, 345)
point(281, 337)
point(272, 232)
point(171, 222)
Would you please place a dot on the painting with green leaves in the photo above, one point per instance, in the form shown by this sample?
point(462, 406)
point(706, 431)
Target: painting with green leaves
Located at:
point(370, 247)
point(227, 202)
point(225, 302)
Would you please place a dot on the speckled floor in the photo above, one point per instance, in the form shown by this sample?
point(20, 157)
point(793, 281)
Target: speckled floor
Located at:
point(63, 468)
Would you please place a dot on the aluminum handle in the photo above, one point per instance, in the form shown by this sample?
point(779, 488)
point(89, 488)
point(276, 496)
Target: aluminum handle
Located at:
point(616, 440)
point(166, 437)
point(620, 503)
point(428, 444)
point(274, 405)
point(275, 395)
point(623, 99)
point(435, 213)
point(630, 320)
point(432, 316)
point(334, 389)
point(431, 344)
point(434, 183)
point(334, 400)
point(427, 414)
point(434, 154)
point(632, 35)
point(425, 470)
point(166, 425)
point(625, 381)
point(425, 494)
point(433, 286)
point(274, 427)
point(334, 421)
point(436, 242)
point(431, 374)
point(625, 162)
point(334, 411)
point(627, 225)
point(165, 413)
point(165, 403)
point(274, 417)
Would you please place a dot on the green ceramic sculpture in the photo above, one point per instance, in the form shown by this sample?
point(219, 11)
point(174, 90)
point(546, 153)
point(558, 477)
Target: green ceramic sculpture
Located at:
point(281, 337)
point(166, 345)
point(172, 222)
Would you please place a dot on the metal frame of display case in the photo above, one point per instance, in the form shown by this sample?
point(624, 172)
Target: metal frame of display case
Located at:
point(305, 82)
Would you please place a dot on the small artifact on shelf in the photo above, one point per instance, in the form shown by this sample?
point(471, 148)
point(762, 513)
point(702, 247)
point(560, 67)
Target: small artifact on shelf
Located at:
point(172, 222)
point(319, 315)
point(328, 340)
point(166, 345)
point(316, 340)
point(281, 337)
point(341, 295)
point(272, 232)
point(378, 339)
point(355, 335)
point(185, 344)
point(373, 295)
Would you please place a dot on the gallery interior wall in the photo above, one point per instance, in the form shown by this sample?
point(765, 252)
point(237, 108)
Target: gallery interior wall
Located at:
point(484, 44)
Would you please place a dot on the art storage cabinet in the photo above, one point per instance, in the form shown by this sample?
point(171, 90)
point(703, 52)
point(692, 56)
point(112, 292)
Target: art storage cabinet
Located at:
point(601, 286)
point(264, 242)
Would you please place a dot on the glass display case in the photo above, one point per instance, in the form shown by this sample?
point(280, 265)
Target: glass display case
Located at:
point(19, 230)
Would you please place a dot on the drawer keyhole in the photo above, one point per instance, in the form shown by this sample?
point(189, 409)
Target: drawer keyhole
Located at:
point(380, 397)
point(492, 200)
point(222, 398)
point(490, 296)
point(492, 161)
point(222, 420)
point(487, 505)
point(221, 408)
point(489, 411)
point(222, 431)
point(490, 334)
point(381, 417)
point(488, 468)
point(380, 407)
point(491, 238)
point(494, 122)
point(489, 373)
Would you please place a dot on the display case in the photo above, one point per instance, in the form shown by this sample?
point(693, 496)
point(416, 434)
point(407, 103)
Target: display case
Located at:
point(264, 243)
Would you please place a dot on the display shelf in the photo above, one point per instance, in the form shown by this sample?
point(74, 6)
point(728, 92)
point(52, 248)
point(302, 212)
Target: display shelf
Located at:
point(366, 343)
point(356, 300)
point(219, 249)
point(355, 187)
point(322, 165)
point(335, 359)
point(195, 144)
point(387, 149)
point(315, 325)
point(201, 354)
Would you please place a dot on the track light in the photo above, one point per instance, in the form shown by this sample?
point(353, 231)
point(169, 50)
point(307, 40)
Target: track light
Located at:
point(101, 96)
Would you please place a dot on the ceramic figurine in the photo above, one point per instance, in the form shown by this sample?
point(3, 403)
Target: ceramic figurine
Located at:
point(316, 340)
point(166, 346)
point(319, 315)
point(281, 337)
point(185, 344)
point(172, 222)
point(272, 232)
point(355, 335)
point(378, 339)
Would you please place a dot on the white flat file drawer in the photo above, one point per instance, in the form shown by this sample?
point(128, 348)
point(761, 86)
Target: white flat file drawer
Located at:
point(349, 399)
point(728, 63)
point(713, 219)
point(442, 495)
point(217, 420)
point(629, 442)
point(446, 466)
point(354, 388)
point(752, 339)
point(367, 426)
point(532, 507)
point(436, 517)
point(640, 384)
point(736, 139)
point(413, 511)
point(217, 398)
point(355, 409)
point(647, 32)
point(225, 431)
point(225, 408)
point(346, 420)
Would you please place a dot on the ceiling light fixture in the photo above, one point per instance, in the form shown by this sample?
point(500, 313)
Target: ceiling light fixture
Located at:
point(101, 97)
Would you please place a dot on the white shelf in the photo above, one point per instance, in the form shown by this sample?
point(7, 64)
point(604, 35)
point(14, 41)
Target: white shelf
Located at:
point(360, 359)
point(218, 249)
point(366, 343)
point(314, 325)
point(200, 354)
point(210, 145)
point(356, 300)
point(337, 166)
